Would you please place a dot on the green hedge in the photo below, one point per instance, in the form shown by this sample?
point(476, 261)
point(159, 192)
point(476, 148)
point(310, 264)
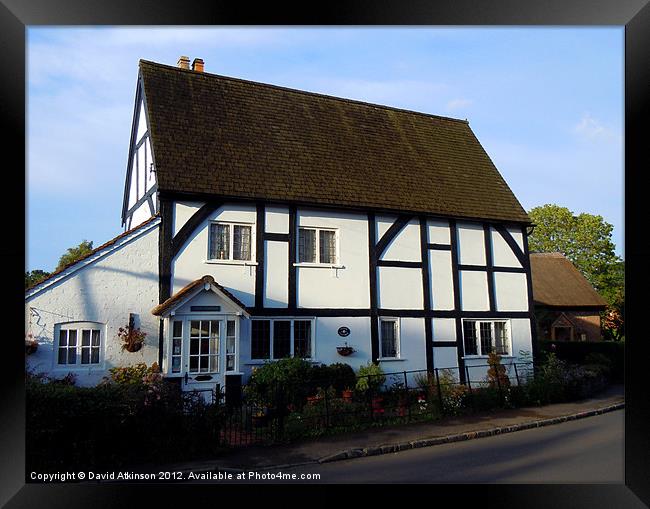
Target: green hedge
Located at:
point(579, 352)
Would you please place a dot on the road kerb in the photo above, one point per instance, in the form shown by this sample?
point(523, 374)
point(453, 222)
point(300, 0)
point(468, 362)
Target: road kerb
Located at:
point(468, 435)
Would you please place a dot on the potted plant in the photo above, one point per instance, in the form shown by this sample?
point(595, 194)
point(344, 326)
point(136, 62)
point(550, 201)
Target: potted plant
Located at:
point(132, 338)
point(31, 345)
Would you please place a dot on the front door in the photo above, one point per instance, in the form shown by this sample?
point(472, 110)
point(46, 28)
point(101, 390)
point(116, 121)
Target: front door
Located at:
point(203, 350)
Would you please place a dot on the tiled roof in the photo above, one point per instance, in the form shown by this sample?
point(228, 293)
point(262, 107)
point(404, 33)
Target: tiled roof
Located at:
point(223, 136)
point(94, 251)
point(558, 283)
point(181, 294)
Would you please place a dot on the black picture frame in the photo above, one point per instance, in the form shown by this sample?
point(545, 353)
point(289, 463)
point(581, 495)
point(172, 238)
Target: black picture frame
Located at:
point(15, 15)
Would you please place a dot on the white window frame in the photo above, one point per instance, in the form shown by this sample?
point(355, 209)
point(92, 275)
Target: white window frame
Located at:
point(231, 243)
point(185, 344)
point(292, 321)
point(318, 263)
point(396, 321)
point(479, 348)
point(79, 327)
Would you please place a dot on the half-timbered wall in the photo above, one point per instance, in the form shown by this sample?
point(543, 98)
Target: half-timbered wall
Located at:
point(430, 274)
point(140, 188)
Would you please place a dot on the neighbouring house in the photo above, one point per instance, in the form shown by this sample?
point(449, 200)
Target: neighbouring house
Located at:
point(567, 307)
point(263, 222)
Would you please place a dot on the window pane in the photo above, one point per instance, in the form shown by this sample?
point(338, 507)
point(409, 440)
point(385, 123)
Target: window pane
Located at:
point(486, 337)
point(85, 338)
point(281, 339)
point(327, 246)
point(219, 241)
point(205, 346)
point(72, 337)
point(178, 329)
point(72, 355)
point(94, 356)
point(95, 338)
point(230, 328)
point(63, 338)
point(388, 339)
point(501, 341)
point(194, 346)
point(194, 331)
point(307, 245)
point(242, 243)
point(205, 329)
point(203, 364)
point(176, 364)
point(302, 338)
point(214, 364)
point(471, 348)
point(62, 355)
point(176, 348)
point(230, 363)
point(260, 339)
point(194, 364)
point(85, 355)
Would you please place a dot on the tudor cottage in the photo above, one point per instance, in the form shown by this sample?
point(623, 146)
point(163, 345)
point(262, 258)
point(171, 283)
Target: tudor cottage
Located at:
point(263, 222)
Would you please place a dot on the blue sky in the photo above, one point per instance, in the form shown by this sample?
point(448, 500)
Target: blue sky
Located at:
point(546, 103)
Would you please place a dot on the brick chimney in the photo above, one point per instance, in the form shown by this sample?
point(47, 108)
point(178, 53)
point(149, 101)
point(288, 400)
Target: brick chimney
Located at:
point(197, 65)
point(183, 62)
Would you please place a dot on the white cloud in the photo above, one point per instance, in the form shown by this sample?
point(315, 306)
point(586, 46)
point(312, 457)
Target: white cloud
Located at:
point(592, 129)
point(458, 104)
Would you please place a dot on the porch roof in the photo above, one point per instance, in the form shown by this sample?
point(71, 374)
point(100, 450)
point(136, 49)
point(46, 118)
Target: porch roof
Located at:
point(185, 293)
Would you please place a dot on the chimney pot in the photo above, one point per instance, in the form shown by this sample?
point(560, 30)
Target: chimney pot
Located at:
point(184, 62)
point(197, 65)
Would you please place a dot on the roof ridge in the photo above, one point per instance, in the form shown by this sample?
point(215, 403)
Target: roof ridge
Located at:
point(305, 92)
point(94, 251)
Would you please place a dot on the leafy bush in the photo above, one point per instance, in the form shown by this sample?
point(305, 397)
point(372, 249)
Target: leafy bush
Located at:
point(115, 424)
point(339, 375)
point(289, 379)
point(371, 377)
point(577, 352)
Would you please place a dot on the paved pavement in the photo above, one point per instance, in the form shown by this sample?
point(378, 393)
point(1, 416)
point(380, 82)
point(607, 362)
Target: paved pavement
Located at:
point(397, 438)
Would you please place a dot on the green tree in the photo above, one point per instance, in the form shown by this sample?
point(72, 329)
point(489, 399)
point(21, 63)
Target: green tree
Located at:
point(34, 276)
point(585, 239)
point(74, 253)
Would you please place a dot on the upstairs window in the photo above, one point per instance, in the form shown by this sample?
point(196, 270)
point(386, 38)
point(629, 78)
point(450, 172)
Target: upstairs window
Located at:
point(79, 344)
point(481, 337)
point(230, 241)
point(317, 245)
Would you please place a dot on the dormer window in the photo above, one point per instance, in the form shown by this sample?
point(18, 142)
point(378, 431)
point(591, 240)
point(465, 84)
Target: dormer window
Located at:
point(317, 245)
point(230, 241)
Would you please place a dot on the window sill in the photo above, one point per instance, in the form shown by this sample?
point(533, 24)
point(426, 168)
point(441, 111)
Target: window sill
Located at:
point(230, 262)
point(486, 356)
point(261, 362)
point(319, 265)
point(391, 359)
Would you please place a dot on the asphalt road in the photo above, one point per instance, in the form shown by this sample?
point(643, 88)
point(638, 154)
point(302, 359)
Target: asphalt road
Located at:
point(588, 450)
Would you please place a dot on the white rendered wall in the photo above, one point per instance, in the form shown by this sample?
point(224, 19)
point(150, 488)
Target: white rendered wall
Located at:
point(471, 244)
point(182, 212)
point(446, 357)
point(474, 290)
point(276, 274)
point(442, 280)
point(347, 287)
point(191, 262)
point(444, 329)
point(502, 255)
point(277, 219)
point(399, 288)
point(142, 122)
point(438, 232)
point(405, 246)
point(142, 179)
point(121, 282)
point(511, 291)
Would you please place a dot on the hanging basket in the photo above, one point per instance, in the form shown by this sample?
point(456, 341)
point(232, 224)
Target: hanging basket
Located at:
point(345, 350)
point(132, 347)
point(31, 345)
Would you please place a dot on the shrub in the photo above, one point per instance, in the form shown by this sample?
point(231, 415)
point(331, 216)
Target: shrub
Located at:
point(289, 379)
point(371, 377)
point(496, 374)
